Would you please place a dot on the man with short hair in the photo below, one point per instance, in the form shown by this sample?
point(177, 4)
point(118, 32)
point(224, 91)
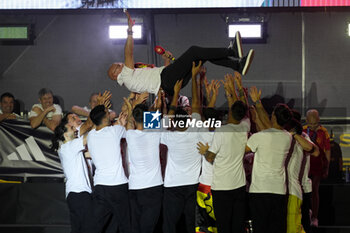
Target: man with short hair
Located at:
point(318, 165)
point(46, 112)
point(183, 163)
point(145, 179)
point(268, 200)
point(70, 149)
point(226, 153)
point(7, 105)
point(151, 79)
point(110, 195)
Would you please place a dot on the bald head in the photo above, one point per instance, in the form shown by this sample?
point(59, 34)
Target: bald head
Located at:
point(312, 119)
point(114, 70)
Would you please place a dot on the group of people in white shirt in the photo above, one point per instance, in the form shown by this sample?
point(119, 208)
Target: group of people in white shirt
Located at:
point(202, 163)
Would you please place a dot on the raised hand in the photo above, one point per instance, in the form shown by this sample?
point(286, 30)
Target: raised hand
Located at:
point(141, 98)
point(255, 94)
point(104, 99)
point(196, 69)
point(131, 22)
point(122, 119)
point(128, 105)
point(208, 87)
point(215, 87)
point(238, 79)
point(178, 86)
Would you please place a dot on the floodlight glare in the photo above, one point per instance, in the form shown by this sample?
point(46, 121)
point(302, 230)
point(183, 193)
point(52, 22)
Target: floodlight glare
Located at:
point(248, 31)
point(120, 31)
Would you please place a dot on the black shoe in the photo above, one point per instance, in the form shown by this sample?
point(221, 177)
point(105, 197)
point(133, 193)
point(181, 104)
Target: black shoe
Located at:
point(236, 46)
point(245, 62)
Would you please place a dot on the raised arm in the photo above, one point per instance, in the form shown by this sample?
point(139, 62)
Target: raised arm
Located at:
point(262, 114)
point(173, 104)
point(129, 45)
point(240, 88)
point(230, 94)
point(195, 93)
point(215, 90)
point(129, 119)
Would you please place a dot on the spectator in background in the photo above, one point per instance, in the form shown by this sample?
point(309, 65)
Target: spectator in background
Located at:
point(46, 112)
point(336, 164)
point(85, 111)
point(318, 165)
point(7, 104)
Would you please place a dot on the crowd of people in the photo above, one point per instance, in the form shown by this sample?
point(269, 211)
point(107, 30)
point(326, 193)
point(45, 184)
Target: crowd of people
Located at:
point(205, 177)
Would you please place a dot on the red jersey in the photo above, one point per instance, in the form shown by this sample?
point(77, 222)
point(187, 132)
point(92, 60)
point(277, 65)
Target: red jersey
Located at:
point(321, 139)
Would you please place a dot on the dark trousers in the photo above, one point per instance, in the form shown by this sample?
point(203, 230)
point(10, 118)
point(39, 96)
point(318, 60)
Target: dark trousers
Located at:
point(229, 208)
point(178, 200)
point(80, 211)
point(111, 201)
point(182, 67)
point(305, 208)
point(145, 207)
point(316, 180)
point(269, 212)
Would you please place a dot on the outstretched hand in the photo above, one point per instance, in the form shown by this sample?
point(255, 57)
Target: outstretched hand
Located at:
point(105, 99)
point(196, 69)
point(128, 105)
point(141, 98)
point(254, 94)
point(122, 119)
point(178, 86)
point(238, 79)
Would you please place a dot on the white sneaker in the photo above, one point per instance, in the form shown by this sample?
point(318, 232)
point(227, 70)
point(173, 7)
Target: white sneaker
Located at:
point(314, 222)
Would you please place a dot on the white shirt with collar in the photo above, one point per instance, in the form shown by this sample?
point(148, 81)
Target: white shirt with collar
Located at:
point(141, 79)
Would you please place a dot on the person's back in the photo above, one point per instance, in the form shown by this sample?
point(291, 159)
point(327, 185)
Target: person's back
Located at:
point(183, 162)
point(104, 147)
point(143, 153)
point(228, 171)
point(271, 147)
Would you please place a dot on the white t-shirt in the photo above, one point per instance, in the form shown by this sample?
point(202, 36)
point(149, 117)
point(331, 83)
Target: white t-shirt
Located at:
point(184, 161)
point(229, 146)
point(141, 79)
point(74, 166)
point(294, 167)
point(104, 148)
point(50, 114)
point(144, 161)
point(206, 176)
point(271, 147)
